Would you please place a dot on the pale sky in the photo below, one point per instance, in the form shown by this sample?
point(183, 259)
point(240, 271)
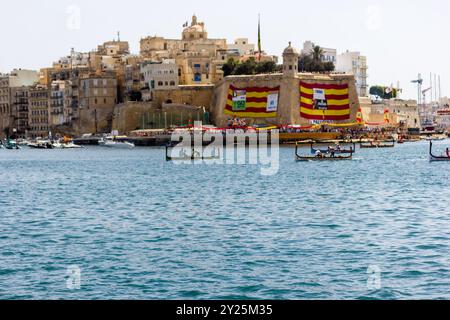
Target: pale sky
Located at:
point(400, 38)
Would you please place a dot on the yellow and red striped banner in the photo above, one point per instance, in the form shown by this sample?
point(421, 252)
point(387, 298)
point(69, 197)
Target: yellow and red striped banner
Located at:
point(337, 102)
point(254, 104)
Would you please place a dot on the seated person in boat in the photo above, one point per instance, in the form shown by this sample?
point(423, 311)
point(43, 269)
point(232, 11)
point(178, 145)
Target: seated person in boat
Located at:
point(447, 151)
point(319, 154)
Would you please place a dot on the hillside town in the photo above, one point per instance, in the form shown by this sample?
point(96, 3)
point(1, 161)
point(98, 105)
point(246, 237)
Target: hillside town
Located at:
point(174, 82)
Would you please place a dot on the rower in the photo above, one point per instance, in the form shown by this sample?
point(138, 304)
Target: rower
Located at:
point(338, 146)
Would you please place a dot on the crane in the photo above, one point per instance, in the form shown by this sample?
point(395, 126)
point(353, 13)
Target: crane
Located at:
point(424, 93)
point(419, 82)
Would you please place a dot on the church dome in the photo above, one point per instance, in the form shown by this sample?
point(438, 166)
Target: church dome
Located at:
point(194, 28)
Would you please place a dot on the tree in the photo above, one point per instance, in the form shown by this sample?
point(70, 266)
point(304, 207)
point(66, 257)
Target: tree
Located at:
point(313, 62)
point(228, 68)
point(248, 67)
point(266, 67)
point(383, 93)
point(245, 68)
point(317, 53)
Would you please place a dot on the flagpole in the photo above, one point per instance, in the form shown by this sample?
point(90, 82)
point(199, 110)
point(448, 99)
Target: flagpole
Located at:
point(259, 36)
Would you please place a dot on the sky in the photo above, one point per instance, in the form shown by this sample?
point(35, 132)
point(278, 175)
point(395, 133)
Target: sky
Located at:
point(400, 38)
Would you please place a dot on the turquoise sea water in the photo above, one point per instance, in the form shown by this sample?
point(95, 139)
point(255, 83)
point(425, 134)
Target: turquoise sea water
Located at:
point(139, 227)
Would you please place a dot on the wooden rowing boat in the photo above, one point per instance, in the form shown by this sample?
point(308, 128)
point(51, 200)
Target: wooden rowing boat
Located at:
point(195, 155)
point(322, 157)
point(377, 145)
point(434, 158)
point(328, 151)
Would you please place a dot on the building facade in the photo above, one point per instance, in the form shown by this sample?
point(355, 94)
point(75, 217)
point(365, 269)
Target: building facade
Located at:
point(39, 112)
point(5, 104)
point(195, 54)
point(159, 76)
point(329, 55)
point(241, 47)
point(356, 64)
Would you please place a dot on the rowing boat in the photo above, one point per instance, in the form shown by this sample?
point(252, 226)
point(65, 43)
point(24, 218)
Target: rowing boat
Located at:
point(376, 145)
point(195, 155)
point(327, 151)
point(321, 157)
point(434, 158)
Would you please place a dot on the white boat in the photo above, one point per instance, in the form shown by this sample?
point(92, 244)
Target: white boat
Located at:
point(110, 143)
point(71, 145)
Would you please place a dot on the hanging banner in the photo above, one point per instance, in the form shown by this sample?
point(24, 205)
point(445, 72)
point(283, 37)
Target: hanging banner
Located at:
point(239, 100)
point(252, 102)
point(272, 102)
point(324, 102)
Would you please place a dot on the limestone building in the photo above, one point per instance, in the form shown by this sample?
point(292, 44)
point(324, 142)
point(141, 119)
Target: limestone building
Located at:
point(39, 112)
point(195, 53)
point(356, 64)
point(5, 104)
point(287, 98)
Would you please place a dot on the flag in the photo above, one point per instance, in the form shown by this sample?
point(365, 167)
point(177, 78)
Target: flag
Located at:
point(359, 116)
point(259, 37)
point(327, 102)
point(386, 116)
point(254, 102)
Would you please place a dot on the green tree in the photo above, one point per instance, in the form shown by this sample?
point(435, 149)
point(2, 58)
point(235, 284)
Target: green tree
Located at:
point(313, 62)
point(317, 54)
point(229, 67)
point(266, 67)
point(247, 67)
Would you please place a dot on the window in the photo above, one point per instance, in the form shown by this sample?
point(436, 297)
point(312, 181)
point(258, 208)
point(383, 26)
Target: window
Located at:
point(95, 101)
point(172, 83)
point(160, 83)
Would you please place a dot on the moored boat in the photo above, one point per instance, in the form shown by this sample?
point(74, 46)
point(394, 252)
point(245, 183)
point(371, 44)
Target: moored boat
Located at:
point(111, 143)
point(41, 145)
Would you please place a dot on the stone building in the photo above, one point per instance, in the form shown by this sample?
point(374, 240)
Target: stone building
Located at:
point(159, 76)
point(5, 104)
point(97, 98)
point(241, 47)
point(19, 111)
point(57, 99)
point(356, 64)
point(328, 55)
point(286, 98)
point(195, 54)
point(39, 112)
point(400, 112)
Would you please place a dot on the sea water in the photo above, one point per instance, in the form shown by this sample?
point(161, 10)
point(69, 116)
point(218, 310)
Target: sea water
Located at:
point(125, 224)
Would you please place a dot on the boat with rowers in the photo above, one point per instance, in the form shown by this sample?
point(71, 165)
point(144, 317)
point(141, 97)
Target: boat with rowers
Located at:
point(377, 144)
point(319, 156)
point(434, 158)
point(184, 155)
point(336, 149)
